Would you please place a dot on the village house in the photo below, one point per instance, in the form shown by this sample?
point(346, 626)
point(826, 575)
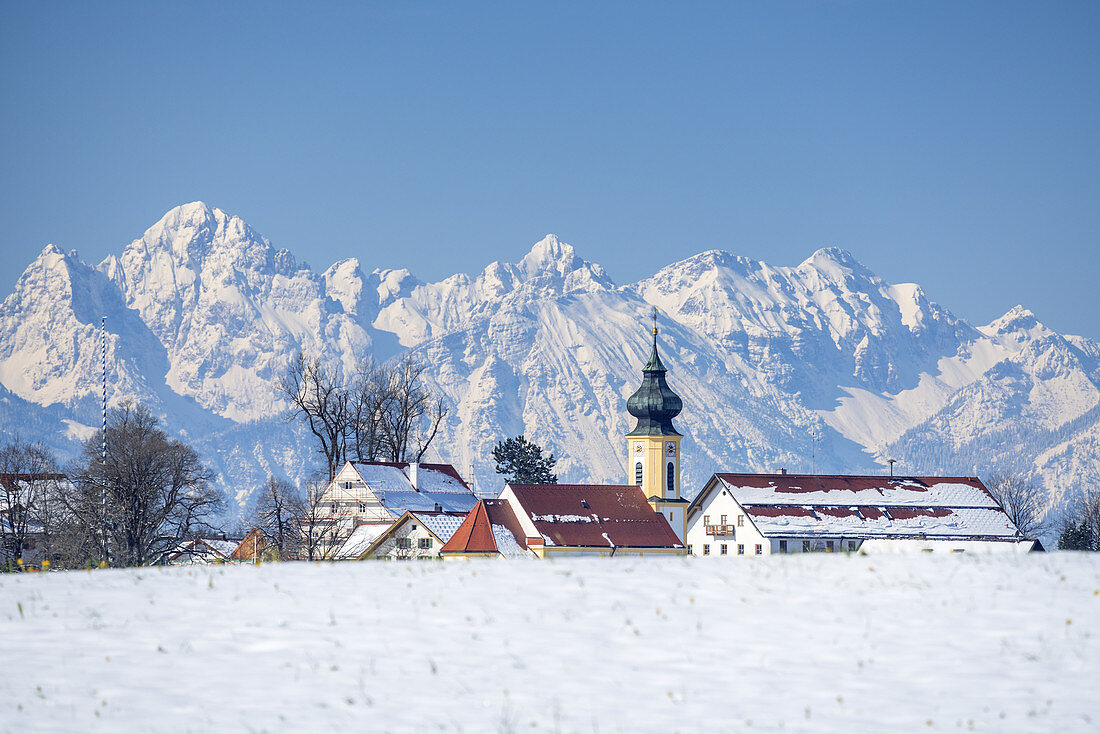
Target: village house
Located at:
point(199, 551)
point(490, 530)
point(25, 499)
point(415, 535)
point(589, 520)
point(763, 514)
point(378, 493)
point(251, 547)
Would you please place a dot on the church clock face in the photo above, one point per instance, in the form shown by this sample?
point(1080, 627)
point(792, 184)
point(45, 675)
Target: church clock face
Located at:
point(639, 448)
point(670, 448)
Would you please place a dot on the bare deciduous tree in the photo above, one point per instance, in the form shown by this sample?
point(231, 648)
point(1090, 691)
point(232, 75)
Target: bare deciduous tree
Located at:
point(384, 413)
point(158, 491)
point(277, 513)
point(318, 395)
point(412, 415)
point(1021, 499)
point(370, 395)
point(314, 524)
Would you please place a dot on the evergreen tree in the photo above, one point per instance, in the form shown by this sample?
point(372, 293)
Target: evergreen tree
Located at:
point(1075, 536)
point(522, 462)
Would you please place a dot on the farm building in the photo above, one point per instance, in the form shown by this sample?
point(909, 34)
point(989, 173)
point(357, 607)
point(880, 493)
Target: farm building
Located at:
point(762, 514)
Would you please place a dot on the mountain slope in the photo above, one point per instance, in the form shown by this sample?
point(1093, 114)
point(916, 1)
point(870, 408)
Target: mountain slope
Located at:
point(821, 366)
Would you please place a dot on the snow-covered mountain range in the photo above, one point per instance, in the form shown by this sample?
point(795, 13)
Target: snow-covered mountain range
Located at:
point(819, 367)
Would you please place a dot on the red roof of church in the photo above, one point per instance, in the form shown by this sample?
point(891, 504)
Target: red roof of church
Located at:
point(486, 530)
point(595, 515)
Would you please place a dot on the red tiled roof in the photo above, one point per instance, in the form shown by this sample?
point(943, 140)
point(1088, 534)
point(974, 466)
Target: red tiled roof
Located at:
point(7, 478)
point(796, 483)
point(910, 513)
point(595, 515)
point(475, 534)
point(782, 511)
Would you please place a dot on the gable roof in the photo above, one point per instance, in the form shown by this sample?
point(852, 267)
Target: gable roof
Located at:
point(436, 484)
point(866, 506)
point(362, 538)
point(490, 528)
point(368, 537)
point(594, 515)
point(836, 489)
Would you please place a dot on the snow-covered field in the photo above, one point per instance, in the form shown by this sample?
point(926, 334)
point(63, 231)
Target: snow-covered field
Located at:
point(810, 643)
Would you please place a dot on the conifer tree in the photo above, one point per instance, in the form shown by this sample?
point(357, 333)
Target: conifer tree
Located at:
point(521, 462)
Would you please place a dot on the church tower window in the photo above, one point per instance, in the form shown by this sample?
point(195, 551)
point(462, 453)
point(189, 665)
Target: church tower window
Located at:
point(638, 473)
point(671, 479)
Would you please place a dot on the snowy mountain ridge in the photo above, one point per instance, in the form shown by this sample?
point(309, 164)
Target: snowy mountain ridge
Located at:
point(820, 366)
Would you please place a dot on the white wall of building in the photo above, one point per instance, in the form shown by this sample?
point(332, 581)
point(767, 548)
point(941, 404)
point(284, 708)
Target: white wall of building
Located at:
point(720, 511)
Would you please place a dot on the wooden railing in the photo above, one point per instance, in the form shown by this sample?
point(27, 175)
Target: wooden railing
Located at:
point(721, 530)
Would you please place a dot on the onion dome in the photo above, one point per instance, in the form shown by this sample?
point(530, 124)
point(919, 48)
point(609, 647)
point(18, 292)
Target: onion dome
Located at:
point(654, 404)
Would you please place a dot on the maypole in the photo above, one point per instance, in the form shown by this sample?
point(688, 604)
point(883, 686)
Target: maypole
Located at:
point(103, 451)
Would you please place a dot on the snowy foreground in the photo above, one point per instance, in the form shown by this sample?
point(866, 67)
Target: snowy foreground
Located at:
point(800, 643)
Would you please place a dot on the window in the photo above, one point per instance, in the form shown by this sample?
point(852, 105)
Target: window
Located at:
point(424, 543)
point(332, 510)
point(725, 549)
point(404, 543)
point(740, 521)
point(723, 519)
point(638, 473)
point(706, 549)
point(671, 478)
point(584, 504)
point(805, 546)
point(347, 485)
point(828, 546)
point(689, 549)
point(740, 549)
point(852, 545)
point(782, 546)
point(670, 517)
point(706, 519)
point(759, 549)
point(362, 507)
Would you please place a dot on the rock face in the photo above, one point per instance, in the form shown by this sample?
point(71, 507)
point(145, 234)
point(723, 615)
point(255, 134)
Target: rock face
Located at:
point(823, 366)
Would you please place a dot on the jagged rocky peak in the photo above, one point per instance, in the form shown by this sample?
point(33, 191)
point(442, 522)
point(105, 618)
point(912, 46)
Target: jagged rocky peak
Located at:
point(344, 283)
point(196, 236)
point(837, 265)
point(551, 266)
point(1017, 319)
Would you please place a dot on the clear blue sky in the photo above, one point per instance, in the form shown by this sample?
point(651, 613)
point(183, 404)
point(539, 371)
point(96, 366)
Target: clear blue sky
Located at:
point(955, 144)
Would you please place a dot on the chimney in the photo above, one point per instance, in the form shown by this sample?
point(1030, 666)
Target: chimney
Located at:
point(414, 471)
point(783, 470)
point(438, 507)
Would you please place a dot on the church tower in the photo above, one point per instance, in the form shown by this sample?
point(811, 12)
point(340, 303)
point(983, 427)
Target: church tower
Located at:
point(653, 447)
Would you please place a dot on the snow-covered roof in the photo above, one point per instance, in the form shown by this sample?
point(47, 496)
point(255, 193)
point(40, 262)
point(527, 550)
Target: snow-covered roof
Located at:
point(202, 548)
point(225, 547)
point(877, 522)
point(438, 486)
point(360, 539)
point(800, 489)
point(795, 505)
point(491, 528)
point(594, 515)
point(441, 525)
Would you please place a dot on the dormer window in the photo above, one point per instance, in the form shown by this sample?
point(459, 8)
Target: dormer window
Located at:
point(584, 504)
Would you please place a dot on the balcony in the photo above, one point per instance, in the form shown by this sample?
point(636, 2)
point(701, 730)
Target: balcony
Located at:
point(720, 530)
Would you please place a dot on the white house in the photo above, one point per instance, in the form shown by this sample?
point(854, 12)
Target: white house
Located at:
point(761, 514)
point(379, 492)
point(415, 535)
